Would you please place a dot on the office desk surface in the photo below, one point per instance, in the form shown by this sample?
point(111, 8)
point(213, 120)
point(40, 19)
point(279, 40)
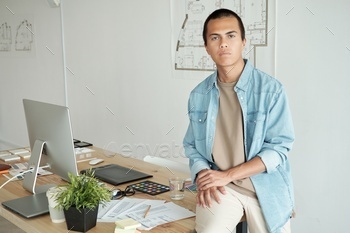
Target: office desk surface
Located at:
point(43, 223)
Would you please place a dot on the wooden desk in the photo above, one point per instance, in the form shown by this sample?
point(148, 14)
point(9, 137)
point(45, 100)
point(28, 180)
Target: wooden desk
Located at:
point(43, 223)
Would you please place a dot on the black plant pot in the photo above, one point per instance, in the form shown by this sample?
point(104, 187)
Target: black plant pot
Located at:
point(80, 221)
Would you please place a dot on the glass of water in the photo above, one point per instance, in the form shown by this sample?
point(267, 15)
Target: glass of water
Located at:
point(177, 188)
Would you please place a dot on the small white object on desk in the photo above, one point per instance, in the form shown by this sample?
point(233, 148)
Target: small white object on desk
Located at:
point(96, 161)
point(25, 155)
point(4, 153)
point(8, 158)
point(127, 224)
point(83, 150)
point(19, 151)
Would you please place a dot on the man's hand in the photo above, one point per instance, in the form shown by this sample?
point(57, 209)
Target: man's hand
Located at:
point(209, 183)
point(204, 197)
point(211, 178)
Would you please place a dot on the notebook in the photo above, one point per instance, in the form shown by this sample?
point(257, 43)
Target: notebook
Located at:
point(116, 174)
point(29, 206)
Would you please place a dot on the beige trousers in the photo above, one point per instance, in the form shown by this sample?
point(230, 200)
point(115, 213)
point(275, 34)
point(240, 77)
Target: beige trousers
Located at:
point(224, 217)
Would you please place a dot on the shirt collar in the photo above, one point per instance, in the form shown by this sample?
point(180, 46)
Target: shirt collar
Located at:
point(243, 79)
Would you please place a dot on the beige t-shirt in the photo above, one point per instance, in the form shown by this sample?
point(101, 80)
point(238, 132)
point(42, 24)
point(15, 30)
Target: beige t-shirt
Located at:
point(228, 148)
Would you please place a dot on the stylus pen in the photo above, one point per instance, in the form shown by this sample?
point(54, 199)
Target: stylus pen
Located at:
point(147, 211)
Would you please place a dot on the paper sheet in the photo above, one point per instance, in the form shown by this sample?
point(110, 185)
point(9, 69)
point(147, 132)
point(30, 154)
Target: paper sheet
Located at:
point(169, 212)
point(159, 213)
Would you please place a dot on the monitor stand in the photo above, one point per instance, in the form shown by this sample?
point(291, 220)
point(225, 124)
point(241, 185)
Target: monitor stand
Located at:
point(36, 204)
point(29, 182)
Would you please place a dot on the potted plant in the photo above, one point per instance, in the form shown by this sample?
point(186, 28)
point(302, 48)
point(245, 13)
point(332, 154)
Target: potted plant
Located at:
point(80, 199)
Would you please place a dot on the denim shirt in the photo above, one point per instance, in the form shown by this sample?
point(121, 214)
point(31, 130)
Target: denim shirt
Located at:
point(268, 133)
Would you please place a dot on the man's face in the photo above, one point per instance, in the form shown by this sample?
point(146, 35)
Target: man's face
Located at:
point(224, 42)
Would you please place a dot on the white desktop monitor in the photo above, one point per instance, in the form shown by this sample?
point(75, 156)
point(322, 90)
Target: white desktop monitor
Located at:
point(51, 142)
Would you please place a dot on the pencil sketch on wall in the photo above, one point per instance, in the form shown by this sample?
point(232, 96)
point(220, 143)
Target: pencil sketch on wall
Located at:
point(17, 38)
point(24, 36)
point(5, 37)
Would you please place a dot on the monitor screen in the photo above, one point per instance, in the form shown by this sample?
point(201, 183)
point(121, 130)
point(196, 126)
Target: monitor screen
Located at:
point(51, 142)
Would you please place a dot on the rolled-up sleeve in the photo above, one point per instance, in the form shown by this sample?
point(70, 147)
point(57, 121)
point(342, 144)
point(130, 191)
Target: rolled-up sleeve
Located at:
point(279, 137)
point(197, 160)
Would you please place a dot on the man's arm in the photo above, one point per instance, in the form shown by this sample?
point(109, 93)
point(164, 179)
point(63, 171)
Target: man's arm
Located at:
point(196, 159)
point(197, 162)
point(279, 137)
point(209, 181)
point(212, 178)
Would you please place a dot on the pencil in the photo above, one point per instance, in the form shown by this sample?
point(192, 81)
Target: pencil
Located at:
point(147, 211)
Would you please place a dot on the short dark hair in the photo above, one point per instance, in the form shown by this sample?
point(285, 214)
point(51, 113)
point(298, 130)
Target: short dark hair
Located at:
point(221, 13)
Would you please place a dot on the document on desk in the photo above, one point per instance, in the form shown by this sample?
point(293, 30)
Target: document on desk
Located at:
point(169, 212)
point(118, 209)
point(159, 213)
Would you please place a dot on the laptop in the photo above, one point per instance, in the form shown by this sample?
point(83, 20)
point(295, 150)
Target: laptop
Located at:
point(29, 206)
point(116, 174)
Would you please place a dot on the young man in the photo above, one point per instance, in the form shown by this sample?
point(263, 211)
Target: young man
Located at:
point(239, 135)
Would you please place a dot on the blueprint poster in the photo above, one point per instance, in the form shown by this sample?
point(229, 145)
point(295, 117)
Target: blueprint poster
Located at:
point(187, 22)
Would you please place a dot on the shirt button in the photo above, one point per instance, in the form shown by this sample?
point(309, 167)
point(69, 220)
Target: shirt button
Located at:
point(200, 120)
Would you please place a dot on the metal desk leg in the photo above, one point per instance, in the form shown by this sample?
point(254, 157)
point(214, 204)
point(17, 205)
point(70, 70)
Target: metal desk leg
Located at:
point(242, 227)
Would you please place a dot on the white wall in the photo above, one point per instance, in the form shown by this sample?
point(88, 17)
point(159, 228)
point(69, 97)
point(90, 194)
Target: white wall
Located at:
point(36, 75)
point(123, 88)
point(313, 58)
point(123, 93)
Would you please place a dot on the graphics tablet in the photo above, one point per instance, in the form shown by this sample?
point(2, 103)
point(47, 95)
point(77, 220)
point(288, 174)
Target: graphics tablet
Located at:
point(116, 175)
